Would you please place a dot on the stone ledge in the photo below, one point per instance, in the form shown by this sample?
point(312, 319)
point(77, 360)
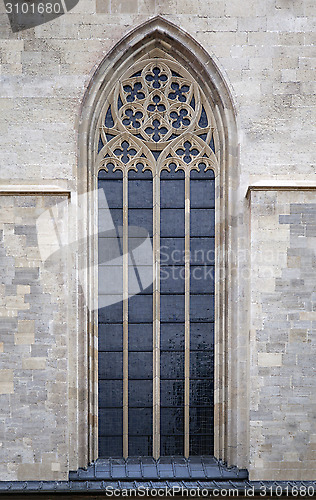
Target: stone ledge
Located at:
point(276, 185)
point(33, 189)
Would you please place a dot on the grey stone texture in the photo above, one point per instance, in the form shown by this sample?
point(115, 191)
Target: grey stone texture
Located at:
point(283, 336)
point(33, 385)
point(265, 407)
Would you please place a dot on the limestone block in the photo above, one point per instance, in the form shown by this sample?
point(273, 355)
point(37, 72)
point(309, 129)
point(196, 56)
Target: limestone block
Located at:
point(26, 333)
point(33, 363)
point(102, 6)
point(6, 381)
point(269, 359)
point(124, 6)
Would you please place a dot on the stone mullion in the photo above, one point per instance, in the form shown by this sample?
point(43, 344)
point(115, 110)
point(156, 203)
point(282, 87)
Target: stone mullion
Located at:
point(187, 318)
point(125, 313)
point(156, 315)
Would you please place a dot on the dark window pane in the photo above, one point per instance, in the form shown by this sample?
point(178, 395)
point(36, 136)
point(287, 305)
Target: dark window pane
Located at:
point(172, 308)
point(171, 365)
point(139, 247)
point(142, 218)
point(140, 421)
point(172, 445)
point(112, 313)
point(110, 393)
point(202, 222)
point(201, 336)
point(172, 336)
point(110, 248)
point(110, 280)
point(172, 393)
point(140, 365)
point(140, 280)
point(171, 252)
point(112, 192)
point(172, 279)
point(108, 219)
point(172, 421)
point(202, 251)
point(201, 393)
point(140, 193)
point(110, 446)
point(140, 309)
point(140, 337)
point(171, 222)
point(110, 365)
point(202, 279)
point(202, 194)
point(140, 446)
point(201, 445)
point(110, 421)
point(140, 393)
point(202, 308)
point(110, 337)
point(201, 420)
point(201, 364)
point(172, 193)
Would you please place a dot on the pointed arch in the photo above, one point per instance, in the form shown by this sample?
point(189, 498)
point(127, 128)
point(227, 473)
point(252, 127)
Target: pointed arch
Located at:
point(160, 34)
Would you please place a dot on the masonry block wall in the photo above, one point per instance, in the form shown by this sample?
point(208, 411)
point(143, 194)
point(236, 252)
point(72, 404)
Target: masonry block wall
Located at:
point(34, 346)
point(283, 335)
point(265, 52)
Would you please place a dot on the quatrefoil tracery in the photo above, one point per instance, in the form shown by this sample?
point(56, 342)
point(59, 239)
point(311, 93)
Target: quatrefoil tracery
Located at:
point(181, 116)
point(132, 117)
point(161, 109)
point(157, 89)
point(157, 102)
point(157, 75)
point(188, 153)
point(125, 152)
point(134, 91)
point(179, 92)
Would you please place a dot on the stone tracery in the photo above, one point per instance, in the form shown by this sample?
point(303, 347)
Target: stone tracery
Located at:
point(157, 115)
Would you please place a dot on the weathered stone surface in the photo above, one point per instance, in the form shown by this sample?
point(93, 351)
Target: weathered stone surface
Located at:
point(265, 53)
point(283, 337)
point(35, 416)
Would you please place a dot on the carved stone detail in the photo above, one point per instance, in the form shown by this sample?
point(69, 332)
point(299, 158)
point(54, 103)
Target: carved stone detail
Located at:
point(157, 115)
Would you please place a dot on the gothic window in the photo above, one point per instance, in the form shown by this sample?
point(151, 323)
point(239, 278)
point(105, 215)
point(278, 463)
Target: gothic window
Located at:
point(157, 162)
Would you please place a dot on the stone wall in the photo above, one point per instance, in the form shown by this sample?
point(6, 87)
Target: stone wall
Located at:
point(283, 335)
point(264, 50)
point(34, 346)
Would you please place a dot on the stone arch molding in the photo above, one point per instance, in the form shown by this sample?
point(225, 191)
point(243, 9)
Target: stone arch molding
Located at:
point(176, 49)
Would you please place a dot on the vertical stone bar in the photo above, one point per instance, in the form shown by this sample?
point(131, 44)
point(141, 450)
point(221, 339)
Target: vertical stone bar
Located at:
point(187, 319)
point(156, 315)
point(125, 314)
